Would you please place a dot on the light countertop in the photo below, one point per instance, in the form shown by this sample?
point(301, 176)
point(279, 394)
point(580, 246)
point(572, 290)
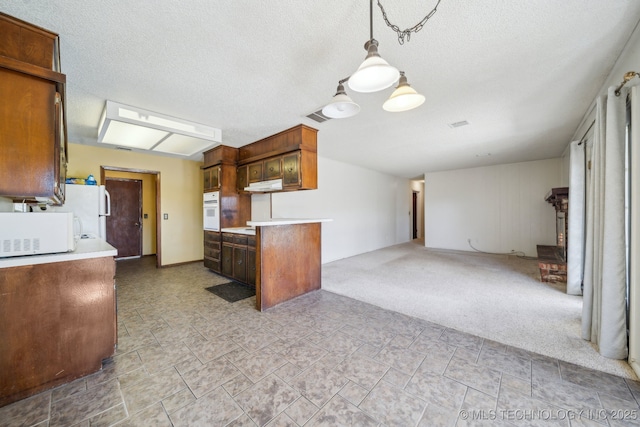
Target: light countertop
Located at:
point(251, 231)
point(285, 221)
point(85, 249)
point(240, 230)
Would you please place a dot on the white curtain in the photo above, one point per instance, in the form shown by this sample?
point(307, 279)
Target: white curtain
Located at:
point(575, 243)
point(604, 302)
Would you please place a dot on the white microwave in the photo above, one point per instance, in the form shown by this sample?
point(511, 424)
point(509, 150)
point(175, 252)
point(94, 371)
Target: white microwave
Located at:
point(28, 233)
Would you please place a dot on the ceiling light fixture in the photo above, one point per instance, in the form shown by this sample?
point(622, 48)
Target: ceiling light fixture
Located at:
point(375, 74)
point(404, 98)
point(341, 106)
point(127, 126)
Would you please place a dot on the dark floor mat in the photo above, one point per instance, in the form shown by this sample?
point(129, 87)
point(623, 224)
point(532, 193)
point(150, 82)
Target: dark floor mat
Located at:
point(232, 291)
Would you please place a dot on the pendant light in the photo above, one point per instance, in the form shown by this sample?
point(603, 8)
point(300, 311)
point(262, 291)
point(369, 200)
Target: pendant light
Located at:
point(404, 98)
point(374, 73)
point(341, 106)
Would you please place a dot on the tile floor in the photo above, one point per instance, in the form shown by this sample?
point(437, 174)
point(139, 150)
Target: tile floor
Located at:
point(188, 358)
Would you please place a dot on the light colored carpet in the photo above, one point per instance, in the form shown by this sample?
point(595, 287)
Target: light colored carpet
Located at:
point(497, 297)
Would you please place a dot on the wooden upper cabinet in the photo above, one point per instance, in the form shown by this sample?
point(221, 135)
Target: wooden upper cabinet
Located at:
point(211, 178)
point(28, 43)
point(242, 177)
point(33, 137)
point(255, 172)
point(272, 169)
point(291, 176)
point(220, 174)
point(290, 155)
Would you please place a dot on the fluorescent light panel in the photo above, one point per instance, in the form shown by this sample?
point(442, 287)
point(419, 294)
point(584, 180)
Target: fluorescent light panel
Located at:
point(134, 127)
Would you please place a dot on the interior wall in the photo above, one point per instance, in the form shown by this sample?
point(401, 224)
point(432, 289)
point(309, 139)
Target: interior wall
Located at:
point(369, 209)
point(498, 208)
point(180, 198)
point(6, 205)
point(148, 206)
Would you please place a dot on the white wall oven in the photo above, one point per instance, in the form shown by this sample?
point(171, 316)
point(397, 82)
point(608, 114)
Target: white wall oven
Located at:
point(211, 214)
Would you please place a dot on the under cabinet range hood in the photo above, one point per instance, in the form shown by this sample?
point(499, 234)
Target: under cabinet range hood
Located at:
point(265, 186)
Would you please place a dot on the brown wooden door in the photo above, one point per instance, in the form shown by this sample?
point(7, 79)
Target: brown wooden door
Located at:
point(124, 226)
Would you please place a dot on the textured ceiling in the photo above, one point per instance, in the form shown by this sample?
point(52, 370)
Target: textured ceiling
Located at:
point(522, 73)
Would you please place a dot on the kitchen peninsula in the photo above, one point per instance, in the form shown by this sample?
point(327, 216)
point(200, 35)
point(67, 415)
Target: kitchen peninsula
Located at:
point(57, 317)
point(288, 260)
point(281, 257)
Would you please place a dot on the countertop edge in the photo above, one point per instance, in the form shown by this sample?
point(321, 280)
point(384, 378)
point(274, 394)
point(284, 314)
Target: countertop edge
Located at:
point(85, 249)
point(286, 221)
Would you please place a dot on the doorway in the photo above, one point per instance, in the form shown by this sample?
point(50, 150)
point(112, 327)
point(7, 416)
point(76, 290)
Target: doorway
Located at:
point(417, 209)
point(151, 232)
point(124, 225)
point(414, 204)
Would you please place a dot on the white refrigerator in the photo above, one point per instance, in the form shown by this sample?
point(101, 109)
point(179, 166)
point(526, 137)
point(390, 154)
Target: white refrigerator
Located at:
point(91, 205)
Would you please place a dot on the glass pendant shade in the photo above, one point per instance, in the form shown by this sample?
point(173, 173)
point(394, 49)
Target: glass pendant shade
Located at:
point(374, 73)
point(341, 106)
point(404, 98)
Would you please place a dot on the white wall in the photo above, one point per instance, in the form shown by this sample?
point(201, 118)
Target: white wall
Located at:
point(6, 205)
point(500, 208)
point(370, 210)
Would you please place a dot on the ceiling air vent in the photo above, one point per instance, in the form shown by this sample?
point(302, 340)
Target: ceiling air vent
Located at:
point(318, 116)
point(458, 124)
point(124, 148)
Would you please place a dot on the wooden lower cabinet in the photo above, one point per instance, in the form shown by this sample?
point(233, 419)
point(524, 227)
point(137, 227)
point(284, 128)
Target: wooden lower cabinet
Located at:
point(238, 259)
point(57, 323)
point(212, 250)
point(251, 264)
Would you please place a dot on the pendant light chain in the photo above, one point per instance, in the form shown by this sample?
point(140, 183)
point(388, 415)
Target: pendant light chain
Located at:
point(406, 34)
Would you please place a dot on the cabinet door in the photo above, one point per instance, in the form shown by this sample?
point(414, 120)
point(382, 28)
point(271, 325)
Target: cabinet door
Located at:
point(207, 179)
point(211, 178)
point(291, 166)
point(241, 178)
point(251, 266)
point(215, 178)
point(29, 134)
point(240, 263)
point(272, 168)
point(227, 260)
point(255, 172)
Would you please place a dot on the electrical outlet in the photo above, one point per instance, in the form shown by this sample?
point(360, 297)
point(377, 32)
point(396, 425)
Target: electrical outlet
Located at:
point(166, 216)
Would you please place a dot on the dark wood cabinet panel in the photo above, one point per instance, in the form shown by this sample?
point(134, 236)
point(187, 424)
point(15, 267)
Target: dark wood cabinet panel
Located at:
point(238, 257)
point(255, 172)
point(242, 179)
point(28, 43)
point(211, 178)
point(212, 250)
point(240, 263)
point(251, 266)
point(291, 166)
point(227, 259)
point(235, 207)
point(288, 261)
point(57, 323)
point(272, 168)
point(32, 115)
